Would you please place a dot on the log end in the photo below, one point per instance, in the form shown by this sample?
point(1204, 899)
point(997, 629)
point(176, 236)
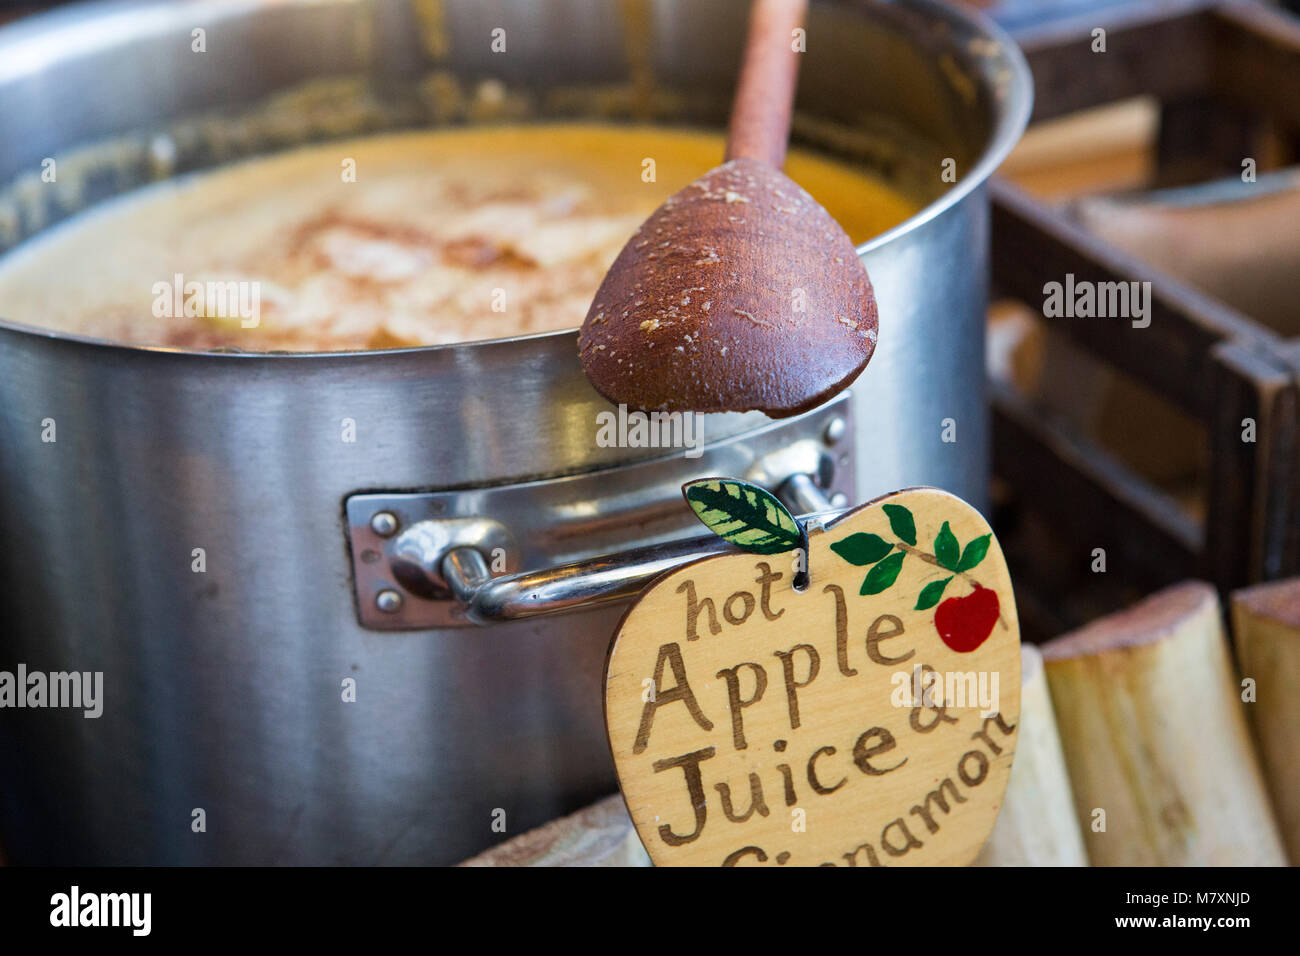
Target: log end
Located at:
point(1148, 622)
point(1278, 601)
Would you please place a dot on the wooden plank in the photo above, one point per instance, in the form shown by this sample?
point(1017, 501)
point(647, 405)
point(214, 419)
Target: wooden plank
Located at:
point(1094, 500)
point(1205, 136)
point(1242, 55)
point(1148, 51)
point(1106, 149)
point(1033, 244)
point(1251, 499)
point(1289, 534)
point(1257, 59)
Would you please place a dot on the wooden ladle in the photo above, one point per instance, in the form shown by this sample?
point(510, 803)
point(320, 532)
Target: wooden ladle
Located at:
point(740, 292)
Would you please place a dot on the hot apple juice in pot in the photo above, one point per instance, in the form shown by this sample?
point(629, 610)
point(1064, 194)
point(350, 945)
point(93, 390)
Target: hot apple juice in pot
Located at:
point(389, 241)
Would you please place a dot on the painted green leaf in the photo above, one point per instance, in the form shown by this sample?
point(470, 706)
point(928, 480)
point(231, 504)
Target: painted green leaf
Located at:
point(900, 520)
point(862, 549)
point(743, 514)
point(974, 552)
point(930, 594)
point(883, 574)
point(946, 549)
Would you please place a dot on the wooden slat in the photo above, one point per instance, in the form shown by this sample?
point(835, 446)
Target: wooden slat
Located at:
point(1227, 74)
point(1033, 244)
point(1251, 493)
point(1164, 50)
point(1257, 59)
point(1289, 534)
point(1090, 497)
point(1205, 136)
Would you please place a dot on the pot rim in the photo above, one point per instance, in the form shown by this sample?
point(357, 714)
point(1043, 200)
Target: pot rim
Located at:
point(1013, 103)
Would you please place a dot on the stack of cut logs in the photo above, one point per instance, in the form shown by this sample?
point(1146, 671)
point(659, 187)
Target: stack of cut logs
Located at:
point(1146, 739)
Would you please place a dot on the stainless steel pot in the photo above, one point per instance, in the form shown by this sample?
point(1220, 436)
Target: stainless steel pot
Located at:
point(328, 560)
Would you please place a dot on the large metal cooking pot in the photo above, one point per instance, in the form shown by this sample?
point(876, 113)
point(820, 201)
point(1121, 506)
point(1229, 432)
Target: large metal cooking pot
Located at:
point(326, 559)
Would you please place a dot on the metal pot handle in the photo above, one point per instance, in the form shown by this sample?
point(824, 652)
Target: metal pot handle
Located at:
point(427, 560)
point(595, 581)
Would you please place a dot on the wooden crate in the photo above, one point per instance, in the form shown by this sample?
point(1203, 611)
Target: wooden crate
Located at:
point(1227, 77)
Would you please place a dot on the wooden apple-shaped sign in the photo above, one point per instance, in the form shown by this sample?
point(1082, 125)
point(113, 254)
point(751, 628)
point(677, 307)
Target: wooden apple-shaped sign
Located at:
point(847, 697)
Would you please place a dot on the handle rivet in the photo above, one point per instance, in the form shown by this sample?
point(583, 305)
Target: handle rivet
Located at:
point(835, 431)
point(384, 524)
point(388, 601)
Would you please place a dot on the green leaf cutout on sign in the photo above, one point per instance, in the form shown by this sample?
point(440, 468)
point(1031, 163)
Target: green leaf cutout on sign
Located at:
point(883, 574)
point(901, 521)
point(930, 594)
point(946, 548)
point(974, 552)
point(743, 514)
point(862, 549)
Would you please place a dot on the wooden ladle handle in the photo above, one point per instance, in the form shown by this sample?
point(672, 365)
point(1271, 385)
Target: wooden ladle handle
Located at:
point(760, 116)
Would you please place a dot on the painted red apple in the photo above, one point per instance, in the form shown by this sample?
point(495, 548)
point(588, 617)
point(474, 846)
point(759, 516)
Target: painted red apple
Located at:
point(965, 623)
